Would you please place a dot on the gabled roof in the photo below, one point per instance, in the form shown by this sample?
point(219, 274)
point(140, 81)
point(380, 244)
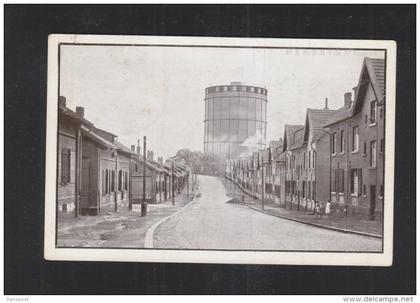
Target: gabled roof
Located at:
point(373, 71)
point(315, 121)
point(297, 138)
point(289, 131)
point(67, 112)
point(93, 135)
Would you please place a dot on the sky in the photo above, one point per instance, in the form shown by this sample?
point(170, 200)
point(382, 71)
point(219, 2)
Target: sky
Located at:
point(158, 92)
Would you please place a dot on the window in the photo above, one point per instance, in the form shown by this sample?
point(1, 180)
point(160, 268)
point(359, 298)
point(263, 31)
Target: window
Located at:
point(333, 143)
point(313, 159)
point(103, 178)
point(225, 88)
point(341, 181)
point(304, 159)
point(120, 180)
point(356, 181)
point(234, 88)
point(126, 180)
point(355, 144)
point(382, 147)
point(372, 118)
point(381, 191)
point(113, 181)
point(372, 154)
point(65, 165)
point(342, 141)
point(107, 181)
point(338, 184)
point(314, 190)
point(364, 189)
point(364, 148)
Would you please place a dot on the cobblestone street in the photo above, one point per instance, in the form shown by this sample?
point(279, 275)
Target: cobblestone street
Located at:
point(211, 222)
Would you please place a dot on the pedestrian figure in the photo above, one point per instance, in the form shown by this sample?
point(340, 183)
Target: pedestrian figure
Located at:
point(327, 209)
point(318, 210)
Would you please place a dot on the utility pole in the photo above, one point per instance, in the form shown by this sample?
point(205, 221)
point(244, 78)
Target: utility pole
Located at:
point(188, 184)
point(143, 208)
point(173, 180)
point(144, 169)
point(262, 180)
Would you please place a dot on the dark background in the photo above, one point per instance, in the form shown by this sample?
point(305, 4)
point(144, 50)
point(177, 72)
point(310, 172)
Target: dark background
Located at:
point(25, 58)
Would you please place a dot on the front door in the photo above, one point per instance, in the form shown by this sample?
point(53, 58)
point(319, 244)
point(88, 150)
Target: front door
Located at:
point(372, 202)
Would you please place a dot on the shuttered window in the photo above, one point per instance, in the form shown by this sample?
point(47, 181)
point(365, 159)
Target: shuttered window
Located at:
point(120, 180)
point(65, 165)
point(126, 180)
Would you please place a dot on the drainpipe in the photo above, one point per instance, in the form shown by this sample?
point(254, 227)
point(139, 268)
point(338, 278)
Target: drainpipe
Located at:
point(116, 182)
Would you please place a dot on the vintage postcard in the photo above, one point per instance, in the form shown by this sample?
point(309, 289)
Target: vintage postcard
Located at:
point(220, 150)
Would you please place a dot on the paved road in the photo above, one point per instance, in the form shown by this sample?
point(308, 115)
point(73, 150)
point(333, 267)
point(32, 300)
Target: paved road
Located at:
point(211, 223)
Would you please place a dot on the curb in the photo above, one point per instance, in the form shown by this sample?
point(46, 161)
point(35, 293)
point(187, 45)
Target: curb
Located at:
point(149, 238)
point(342, 230)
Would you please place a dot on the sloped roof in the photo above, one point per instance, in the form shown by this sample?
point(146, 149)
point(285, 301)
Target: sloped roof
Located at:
point(297, 140)
point(123, 148)
point(315, 121)
point(289, 131)
point(91, 134)
point(376, 69)
point(373, 71)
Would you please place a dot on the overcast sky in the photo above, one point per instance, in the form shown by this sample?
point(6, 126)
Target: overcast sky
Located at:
point(134, 91)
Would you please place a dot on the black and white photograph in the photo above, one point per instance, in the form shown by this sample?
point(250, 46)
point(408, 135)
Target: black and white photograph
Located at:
point(209, 149)
point(222, 145)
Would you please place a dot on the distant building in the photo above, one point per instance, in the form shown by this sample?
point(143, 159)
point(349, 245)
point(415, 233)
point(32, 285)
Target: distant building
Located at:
point(293, 148)
point(357, 142)
point(234, 113)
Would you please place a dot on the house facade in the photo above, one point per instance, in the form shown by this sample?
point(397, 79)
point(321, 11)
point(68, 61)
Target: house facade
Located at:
point(316, 160)
point(68, 161)
point(357, 144)
point(294, 147)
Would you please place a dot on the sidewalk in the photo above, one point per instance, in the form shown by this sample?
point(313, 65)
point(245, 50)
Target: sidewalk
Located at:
point(123, 229)
point(339, 223)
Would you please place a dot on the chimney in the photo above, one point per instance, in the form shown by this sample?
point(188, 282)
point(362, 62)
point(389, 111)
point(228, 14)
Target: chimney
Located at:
point(62, 101)
point(80, 111)
point(151, 155)
point(347, 100)
point(326, 103)
point(133, 148)
point(138, 150)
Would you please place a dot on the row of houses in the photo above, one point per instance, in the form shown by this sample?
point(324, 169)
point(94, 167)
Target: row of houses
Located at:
point(97, 174)
point(336, 155)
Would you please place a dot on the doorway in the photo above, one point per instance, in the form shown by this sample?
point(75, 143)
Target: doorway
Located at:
point(372, 204)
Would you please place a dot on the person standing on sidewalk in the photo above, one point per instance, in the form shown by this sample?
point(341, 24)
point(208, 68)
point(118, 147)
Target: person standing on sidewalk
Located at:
point(327, 209)
point(318, 210)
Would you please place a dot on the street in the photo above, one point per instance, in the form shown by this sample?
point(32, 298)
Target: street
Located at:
point(212, 223)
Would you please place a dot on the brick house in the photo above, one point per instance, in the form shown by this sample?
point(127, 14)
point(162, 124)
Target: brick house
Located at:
point(105, 171)
point(68, 153)
point(279, 176)
point(294, 147)
point(316, 160)
point(357, 146)
point(93, 167)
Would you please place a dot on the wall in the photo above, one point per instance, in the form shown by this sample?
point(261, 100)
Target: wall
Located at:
point(66, 192)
